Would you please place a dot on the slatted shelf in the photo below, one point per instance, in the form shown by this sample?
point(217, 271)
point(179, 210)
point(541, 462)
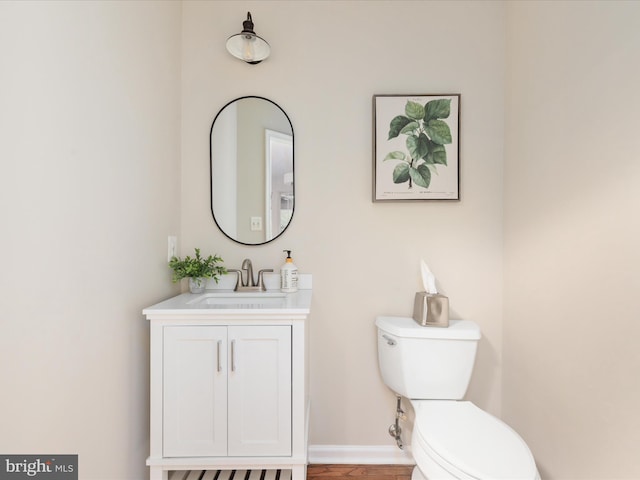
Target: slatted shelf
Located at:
point(230, 475)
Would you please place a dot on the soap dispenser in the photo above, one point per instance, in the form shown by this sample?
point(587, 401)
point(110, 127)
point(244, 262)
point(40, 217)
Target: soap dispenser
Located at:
point(289, 275)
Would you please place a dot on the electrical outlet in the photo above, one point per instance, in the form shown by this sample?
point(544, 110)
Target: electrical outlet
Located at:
point(256, 224)
point(172, 247)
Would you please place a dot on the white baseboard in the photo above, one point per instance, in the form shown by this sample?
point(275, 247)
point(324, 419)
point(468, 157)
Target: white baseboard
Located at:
point(360, 455)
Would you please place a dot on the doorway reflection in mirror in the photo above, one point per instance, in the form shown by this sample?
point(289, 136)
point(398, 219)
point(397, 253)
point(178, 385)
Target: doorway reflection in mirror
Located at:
point(278, 163)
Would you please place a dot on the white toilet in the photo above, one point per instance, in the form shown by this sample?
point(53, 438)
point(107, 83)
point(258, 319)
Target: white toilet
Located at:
point(452, 439)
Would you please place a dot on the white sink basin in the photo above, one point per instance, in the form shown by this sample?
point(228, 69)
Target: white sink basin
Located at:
point(240, 299)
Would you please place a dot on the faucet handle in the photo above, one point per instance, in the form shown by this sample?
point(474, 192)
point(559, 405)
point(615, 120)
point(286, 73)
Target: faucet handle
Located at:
point(238, 276)
point(261, 277)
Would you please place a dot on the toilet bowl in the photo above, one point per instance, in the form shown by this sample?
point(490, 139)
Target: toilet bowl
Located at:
point(452, 439)
point(456, 439)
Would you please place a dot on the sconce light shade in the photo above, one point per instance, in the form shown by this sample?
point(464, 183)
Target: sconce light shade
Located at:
point(248, 46)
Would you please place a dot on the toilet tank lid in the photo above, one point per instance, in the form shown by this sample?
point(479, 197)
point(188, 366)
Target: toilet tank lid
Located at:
point(409, 328)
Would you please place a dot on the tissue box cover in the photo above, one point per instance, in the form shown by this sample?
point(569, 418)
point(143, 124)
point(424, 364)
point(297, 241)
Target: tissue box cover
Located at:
point(431, 310)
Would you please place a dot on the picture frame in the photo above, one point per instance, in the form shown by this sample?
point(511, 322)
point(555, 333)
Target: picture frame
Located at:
point(416, 147)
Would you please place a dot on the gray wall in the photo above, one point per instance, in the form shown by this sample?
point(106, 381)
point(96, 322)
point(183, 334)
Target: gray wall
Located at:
point(89, 191)
point(329, 59)
point(572, 230)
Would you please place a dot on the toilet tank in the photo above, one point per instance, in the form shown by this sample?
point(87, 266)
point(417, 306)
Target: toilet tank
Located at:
point(420, 362)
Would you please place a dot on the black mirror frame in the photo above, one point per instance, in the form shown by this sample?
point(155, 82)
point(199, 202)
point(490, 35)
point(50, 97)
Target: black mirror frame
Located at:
point(293, 168)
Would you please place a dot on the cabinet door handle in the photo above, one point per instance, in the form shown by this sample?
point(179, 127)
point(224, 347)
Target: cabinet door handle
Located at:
point(233, 355)
point(218, 355)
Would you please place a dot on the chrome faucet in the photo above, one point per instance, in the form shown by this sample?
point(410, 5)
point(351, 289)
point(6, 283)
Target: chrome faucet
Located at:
point(249, 283)
point(247, 266)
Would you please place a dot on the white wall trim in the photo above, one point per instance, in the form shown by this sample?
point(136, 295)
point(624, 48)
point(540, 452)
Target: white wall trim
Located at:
point(360, 454)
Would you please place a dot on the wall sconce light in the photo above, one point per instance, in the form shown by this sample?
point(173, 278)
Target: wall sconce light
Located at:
point(248, 46)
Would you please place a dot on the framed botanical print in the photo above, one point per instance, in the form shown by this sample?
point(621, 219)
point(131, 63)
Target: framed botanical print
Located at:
point(416, 146)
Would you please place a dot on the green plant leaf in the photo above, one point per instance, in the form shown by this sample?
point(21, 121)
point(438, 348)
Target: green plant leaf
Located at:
point(409, 128)
point(196, 267)
point(440, 156)
point(414, 110)
point(437, 154)
point(438, 131)
point(421, 175)
point(396, 125)
point(396, 156)
point(418, 145)
point(401, 173)
point(437, 109)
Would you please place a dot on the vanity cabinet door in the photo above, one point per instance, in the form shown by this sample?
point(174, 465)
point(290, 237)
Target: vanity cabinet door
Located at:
point(259, 391)
point(195, 391)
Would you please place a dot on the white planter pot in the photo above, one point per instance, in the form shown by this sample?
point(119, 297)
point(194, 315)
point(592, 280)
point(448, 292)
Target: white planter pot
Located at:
point(197, 285)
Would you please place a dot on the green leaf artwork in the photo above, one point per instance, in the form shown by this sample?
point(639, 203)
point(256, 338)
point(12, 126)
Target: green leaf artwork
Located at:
point(427, 134)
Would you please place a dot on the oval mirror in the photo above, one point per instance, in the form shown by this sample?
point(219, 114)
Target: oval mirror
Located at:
point(252, 181)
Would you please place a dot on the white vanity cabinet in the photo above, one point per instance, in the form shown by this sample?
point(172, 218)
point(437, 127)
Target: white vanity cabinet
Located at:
point(228, 384)
point(226, 391)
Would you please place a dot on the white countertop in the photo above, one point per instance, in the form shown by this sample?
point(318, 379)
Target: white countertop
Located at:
point(228, 302)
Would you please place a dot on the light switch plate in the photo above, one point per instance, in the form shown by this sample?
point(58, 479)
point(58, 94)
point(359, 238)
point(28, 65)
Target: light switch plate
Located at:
point(172, 247)
point(256, 224)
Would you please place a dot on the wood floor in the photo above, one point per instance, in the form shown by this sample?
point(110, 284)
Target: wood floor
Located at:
point(359, 472)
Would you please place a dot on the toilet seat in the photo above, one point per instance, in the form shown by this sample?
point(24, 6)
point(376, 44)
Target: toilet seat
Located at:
point(469, 443)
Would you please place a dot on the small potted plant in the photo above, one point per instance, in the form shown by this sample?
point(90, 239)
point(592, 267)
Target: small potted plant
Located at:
point(197, 270)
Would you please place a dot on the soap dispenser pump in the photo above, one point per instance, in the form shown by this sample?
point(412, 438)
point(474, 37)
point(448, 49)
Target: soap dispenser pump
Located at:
point(289, 275)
